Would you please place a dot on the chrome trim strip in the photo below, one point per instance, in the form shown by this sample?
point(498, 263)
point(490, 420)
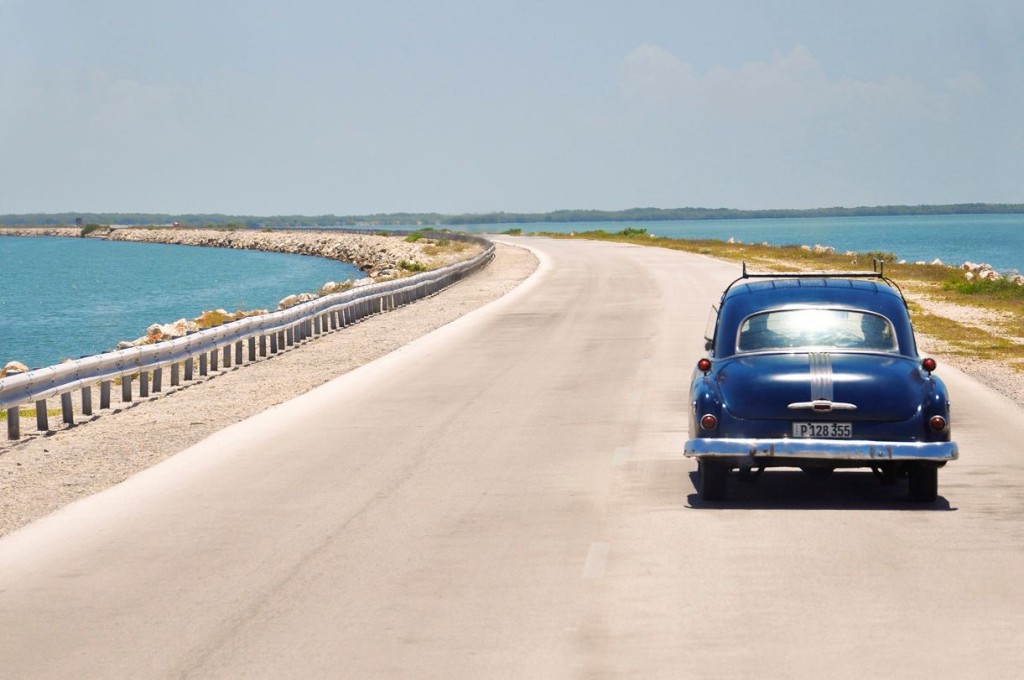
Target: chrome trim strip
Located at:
point(828, 449)
point(822, 406)
point(821, 376)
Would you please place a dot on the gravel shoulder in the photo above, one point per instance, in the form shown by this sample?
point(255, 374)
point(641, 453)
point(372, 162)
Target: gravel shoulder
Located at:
point(43, 472)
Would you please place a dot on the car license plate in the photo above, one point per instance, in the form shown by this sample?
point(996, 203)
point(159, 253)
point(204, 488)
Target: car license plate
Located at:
point(823, 430)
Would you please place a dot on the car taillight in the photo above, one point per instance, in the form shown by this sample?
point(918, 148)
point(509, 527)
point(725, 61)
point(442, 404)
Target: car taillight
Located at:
point(708, 422)
point(937, 423)
point(704, 365)
point(928, 364)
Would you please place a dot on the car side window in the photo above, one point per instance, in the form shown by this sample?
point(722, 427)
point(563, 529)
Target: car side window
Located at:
point(709, 328)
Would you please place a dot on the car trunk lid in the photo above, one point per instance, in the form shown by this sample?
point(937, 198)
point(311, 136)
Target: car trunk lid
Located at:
point(821, 386)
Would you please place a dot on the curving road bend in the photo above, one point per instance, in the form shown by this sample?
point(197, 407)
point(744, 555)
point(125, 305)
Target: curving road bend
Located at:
point(506, 497)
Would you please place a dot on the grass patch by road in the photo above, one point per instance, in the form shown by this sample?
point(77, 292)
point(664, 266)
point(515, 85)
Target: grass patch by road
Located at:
point(29, 413)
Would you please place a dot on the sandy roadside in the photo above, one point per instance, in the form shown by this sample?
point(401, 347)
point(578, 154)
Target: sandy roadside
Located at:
point(43, 472)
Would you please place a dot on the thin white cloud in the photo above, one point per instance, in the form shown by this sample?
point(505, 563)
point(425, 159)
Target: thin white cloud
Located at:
point(967, 83)
point(652, 77)
point(784, 131)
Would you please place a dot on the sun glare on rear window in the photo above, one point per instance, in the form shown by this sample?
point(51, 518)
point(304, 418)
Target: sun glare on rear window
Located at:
point(816, 328)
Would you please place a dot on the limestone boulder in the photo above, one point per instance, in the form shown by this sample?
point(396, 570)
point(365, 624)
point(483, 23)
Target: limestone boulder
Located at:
point(13, 368)
point(293, 300)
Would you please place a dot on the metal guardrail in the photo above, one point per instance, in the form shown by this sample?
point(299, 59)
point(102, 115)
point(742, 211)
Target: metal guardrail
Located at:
point(253, 337)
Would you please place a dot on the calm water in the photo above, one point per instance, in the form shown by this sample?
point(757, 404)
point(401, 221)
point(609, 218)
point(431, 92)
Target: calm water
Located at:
point(62, 298)
point(995, 239)
point(72, 297)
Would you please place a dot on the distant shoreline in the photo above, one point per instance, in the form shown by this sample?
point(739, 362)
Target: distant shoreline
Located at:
point(438, 219)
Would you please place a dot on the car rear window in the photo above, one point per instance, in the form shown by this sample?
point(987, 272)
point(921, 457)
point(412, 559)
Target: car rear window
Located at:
point(816, 328)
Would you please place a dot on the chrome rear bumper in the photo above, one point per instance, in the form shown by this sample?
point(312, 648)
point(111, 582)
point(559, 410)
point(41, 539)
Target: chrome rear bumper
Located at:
point(820, 449)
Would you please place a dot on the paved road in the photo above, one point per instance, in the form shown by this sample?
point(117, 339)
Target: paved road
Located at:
point(507, 498)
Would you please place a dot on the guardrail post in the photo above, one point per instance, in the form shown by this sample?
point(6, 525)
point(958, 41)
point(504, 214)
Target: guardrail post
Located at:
point(238, 352)
point(203, 368)
point(42, 421)
point(280, 340)
point(175, 374)
point(14, 423)
point(126, 388)
point(67, 409)
point(263, 345)
point(273, 343)
point(214, 359)
point(227, 357)
point(158, 379)
point(87, 400)
point(252, 349)
point(105, 394)
point(189, 368)
point(143, 384)
point(334, 320)
point(289, 335)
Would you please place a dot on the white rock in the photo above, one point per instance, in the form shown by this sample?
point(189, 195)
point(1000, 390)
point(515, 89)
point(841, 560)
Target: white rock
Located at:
point(179, 328)
point(13, 368)
point(937, 261)
point(293, 300)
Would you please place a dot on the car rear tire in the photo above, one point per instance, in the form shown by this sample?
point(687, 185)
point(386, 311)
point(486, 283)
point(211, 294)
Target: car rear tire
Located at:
point(818, 473)
point(713, 475)
point(924, 482)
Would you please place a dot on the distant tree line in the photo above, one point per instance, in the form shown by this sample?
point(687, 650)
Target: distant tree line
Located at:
point(436, 219)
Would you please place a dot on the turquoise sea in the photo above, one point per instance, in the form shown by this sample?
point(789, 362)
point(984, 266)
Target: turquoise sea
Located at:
point(66, 298)
point(62, 298)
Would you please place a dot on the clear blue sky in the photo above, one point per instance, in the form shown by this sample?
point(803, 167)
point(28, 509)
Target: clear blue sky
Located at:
point(316, 106)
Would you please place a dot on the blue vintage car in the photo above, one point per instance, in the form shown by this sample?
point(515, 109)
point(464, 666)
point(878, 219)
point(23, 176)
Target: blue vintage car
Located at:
point(818, 372)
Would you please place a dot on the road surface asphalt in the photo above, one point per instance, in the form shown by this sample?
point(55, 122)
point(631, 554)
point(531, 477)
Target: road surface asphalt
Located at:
point(507, 497)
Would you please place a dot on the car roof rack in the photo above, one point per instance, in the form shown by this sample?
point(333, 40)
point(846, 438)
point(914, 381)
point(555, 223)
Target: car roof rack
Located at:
point(878, 272)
